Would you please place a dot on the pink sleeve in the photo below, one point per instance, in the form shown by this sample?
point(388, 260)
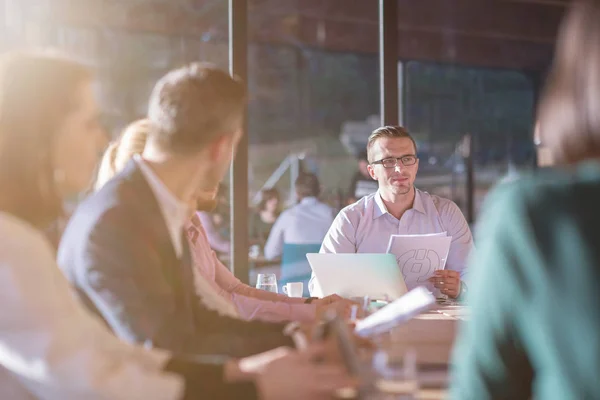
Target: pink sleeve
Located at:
point(273, 311)
point(251, 303)
point(224, 277)
point(205, 259)
point(254, 303)
point(226, 280)
point(214, 238)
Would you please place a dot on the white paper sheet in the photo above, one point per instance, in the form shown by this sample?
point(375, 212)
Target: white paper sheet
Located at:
point(406, 307)
point(419, 256)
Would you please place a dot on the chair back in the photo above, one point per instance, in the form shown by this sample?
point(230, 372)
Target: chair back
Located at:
point(295, 266)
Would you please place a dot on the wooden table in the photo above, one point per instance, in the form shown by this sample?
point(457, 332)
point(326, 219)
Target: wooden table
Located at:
point(431, 335)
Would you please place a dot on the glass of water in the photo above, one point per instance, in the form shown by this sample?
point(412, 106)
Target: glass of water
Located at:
point(267, 282)
point(396, 374)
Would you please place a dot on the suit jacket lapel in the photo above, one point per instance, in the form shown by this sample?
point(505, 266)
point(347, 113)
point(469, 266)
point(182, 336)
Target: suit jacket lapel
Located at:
point(188, 274)
point(154, 227)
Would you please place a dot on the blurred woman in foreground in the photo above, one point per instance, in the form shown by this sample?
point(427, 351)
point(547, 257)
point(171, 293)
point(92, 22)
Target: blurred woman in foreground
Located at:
point(534, 327)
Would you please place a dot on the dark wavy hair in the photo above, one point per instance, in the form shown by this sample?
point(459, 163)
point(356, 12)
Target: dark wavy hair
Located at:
point(36, 95)
point(265, 196)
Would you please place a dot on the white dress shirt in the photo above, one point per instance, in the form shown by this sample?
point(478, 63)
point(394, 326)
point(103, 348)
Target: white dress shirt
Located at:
point(366, 227)
point(175, 213)
point(51, 347)
point(305, 223)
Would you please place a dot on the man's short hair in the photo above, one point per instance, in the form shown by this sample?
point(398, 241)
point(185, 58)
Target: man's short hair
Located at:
point(391, 131)
point(308, 185)
point(193, 105)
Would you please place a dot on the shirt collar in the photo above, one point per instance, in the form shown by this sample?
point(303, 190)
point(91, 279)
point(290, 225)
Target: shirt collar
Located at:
point(418, 203)
point(174, 211)
point(380, 208)
point(309, 200)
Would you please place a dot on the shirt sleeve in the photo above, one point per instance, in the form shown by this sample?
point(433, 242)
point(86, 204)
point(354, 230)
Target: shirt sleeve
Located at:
point(341, 238)
point(223, 276)
point(273, 311)
point(251, 303)
point(212, 384)
point(462, 241)
point(55, 347)
point(274, 245)
point(489, 361)
point(217, 243)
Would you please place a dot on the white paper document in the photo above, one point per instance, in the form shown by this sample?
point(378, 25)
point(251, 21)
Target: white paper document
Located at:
point(419, 256)
point(406, 307)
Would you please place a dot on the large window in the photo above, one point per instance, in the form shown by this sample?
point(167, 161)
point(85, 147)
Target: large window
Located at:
point(313, 79)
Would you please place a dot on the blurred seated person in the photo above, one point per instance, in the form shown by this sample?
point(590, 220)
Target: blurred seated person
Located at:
point(362, 183)
point(252, 303)
point(305, 223)
point(216, 223)
point(399, 208)
point(262, 220)
point(533, 330)
point(120, 151)
point(219, 287)
point(52, 346)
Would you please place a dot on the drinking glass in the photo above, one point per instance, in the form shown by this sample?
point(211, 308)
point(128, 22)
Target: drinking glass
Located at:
point(267, 282)
point(395, 374)
point(254, 252)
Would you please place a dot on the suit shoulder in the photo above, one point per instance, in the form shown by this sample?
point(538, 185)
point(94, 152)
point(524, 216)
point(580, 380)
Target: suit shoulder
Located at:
point(112, 205)
point(116, 196)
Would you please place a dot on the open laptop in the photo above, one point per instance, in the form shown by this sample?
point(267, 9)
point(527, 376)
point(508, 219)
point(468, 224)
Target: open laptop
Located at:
point(358, 275)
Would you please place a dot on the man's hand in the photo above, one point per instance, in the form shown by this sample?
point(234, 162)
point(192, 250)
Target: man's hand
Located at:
point(296, 377)
point(248, 367)
point(331, 351)
point(332, 298)
point(447, 281)
point(342, 306)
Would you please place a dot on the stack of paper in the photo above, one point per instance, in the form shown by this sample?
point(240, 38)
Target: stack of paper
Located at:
point(419, 256)
point(406, 307)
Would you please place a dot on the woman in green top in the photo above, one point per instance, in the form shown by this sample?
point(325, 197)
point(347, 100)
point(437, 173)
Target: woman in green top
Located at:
point(534, 330)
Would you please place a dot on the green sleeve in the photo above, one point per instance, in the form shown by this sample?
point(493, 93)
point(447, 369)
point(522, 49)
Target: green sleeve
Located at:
point(488, 361)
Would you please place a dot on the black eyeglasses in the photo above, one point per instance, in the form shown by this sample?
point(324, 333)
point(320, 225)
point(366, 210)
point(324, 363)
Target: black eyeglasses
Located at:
point(392, 162)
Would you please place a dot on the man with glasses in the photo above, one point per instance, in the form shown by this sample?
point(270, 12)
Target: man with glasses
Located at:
point(400, 208)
